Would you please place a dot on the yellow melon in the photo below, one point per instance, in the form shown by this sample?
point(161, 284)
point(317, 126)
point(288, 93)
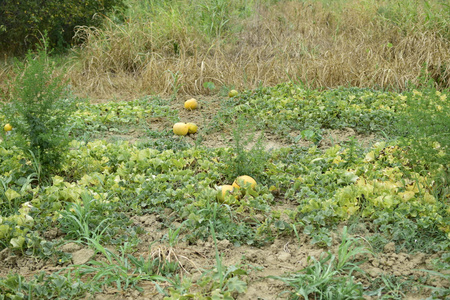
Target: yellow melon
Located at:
point(180, 128)
point(191, 104)
point(233, 93)
point(7, 127)
point(223, 191)
point(244, 180)
point(192, 128)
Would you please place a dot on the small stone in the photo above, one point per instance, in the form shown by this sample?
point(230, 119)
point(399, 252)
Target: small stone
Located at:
point(284, 256)
point(70, 247)
point(374, 272)
point(389, 247)
point(223, 244)
point(82, 256)
point(271, 260)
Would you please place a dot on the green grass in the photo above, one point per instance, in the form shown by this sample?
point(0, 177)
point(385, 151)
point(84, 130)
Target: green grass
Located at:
point(330, 276)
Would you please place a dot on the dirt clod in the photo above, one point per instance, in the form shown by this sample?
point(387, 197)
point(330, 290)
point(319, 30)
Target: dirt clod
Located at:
point(82, 256)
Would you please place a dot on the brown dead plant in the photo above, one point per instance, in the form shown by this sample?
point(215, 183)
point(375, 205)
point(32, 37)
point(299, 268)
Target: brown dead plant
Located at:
point(166, 255)
point(360, 44)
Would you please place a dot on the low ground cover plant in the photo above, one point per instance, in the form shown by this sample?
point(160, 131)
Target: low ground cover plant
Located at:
point(391, 186)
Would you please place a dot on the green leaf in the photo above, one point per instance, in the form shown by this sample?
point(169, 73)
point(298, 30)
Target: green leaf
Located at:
point(235, 284)
point(217, 295)
point(209, 85)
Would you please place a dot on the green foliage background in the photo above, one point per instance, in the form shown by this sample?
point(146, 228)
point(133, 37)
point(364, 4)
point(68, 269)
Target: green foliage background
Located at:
point(22, 22)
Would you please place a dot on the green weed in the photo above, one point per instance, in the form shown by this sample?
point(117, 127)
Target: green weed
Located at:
point(84, 220)
point(172, 236)
point(121, 271)
point(39, 108)
point(390, 287)
point(221, 282)
point(92, 219)
point(248, 156)
point(329, 277)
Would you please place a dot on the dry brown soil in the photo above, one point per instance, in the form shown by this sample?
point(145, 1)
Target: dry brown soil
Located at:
point(286, 254)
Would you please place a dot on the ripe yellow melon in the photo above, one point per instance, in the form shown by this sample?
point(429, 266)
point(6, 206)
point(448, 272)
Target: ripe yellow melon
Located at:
point(192, 128)
point(244, 180)
point(223, 191)
point(191, 104)
point(233, 93)
point(7, 127)
point(180, 128)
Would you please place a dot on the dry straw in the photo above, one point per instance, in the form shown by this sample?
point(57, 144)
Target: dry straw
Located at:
point(322, 46)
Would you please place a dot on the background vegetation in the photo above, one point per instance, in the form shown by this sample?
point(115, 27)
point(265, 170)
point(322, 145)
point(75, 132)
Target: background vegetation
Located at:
point(24, 23)
point(323, 44)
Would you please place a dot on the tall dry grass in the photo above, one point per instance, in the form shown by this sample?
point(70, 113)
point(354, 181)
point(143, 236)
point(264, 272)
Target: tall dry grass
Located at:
point(322, 44)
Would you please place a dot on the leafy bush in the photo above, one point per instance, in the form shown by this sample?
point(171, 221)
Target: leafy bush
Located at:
point(423, 127)
point(38, 110)
point(22, 22)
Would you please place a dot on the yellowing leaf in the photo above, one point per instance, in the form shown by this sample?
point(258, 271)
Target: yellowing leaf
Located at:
point(338, 159)
point(370, 156)
point(17, 242)
point(391, 185)
point(11, 194)
point(23, 220)
point(407, 195)
point(352, 210)
point(4, 230)
point(413, 187)
point(429, 198)
point(57, 180)
point(389, 201)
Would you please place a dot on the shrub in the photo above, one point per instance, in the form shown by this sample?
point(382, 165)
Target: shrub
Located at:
point(38, 111)
point(22, 22)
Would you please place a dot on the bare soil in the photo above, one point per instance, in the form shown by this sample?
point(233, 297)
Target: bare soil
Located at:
point(285, 255)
